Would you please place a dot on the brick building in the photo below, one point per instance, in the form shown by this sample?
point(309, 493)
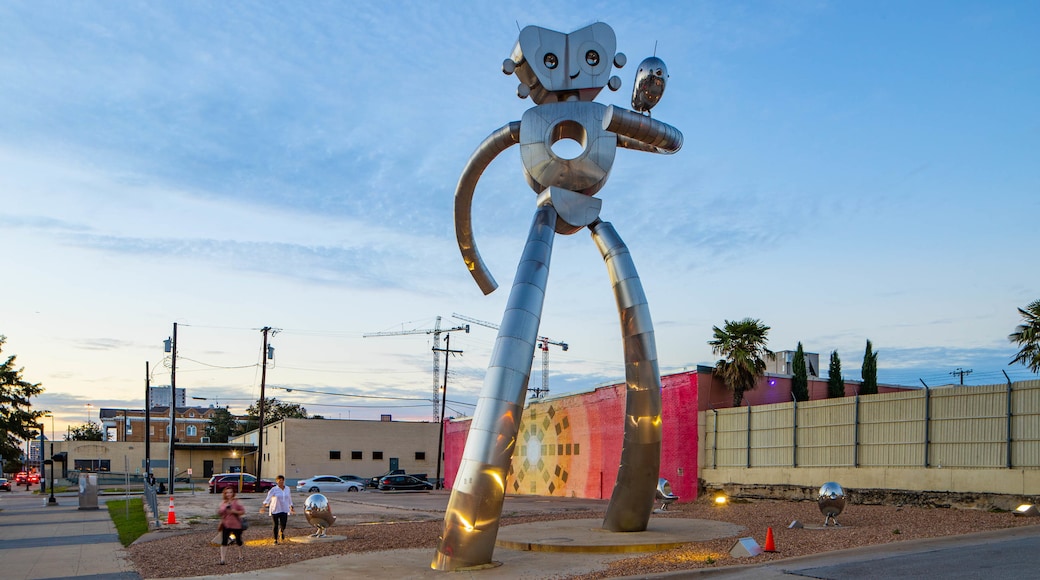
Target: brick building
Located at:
point(128, 425)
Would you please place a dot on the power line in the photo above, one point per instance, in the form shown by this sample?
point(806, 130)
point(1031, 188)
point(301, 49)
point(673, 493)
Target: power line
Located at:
point(961, 372)
point(292, 389)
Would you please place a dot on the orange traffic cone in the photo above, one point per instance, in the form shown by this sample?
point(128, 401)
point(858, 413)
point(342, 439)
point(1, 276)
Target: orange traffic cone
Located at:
point(770, 544)
point(171, 516)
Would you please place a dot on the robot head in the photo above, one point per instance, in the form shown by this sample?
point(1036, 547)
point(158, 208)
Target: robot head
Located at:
point(651, 77)
point(553, 66)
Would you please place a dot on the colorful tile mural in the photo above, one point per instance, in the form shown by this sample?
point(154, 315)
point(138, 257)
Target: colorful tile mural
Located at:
point(571, 445)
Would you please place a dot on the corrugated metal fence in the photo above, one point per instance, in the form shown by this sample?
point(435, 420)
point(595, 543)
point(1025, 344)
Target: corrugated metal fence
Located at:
point(981, 426)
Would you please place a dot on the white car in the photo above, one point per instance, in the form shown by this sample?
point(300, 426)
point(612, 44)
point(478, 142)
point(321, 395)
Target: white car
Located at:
point(327, 483)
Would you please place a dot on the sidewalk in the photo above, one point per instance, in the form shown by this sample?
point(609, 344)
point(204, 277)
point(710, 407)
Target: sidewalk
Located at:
point(40, 542)
point(46, 542)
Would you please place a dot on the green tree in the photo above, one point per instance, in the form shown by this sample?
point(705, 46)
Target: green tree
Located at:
point(274, 410)
point(222, 426)
point(800, 380)
point(88, 432)
point(835, 382)
point(742, 343)
point(869, 371)
point(1027, 336)
point(17, 417)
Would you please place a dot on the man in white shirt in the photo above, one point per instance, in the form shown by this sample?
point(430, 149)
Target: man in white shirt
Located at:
point(279, 504)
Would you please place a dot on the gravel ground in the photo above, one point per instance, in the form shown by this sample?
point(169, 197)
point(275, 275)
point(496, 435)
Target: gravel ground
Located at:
point(192, 554)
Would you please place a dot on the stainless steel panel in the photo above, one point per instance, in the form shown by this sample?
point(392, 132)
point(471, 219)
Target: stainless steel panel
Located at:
point(497, 142)
point(662, 136)
point(475, 506)
point(543, 126)
point(632, 500)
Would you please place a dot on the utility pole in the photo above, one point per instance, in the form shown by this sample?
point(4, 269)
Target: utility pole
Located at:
point(263, 404)
point(436, 331)
point(173, 404)
point(147, 422)
point(961, 372)
point(543, 345)
point(444, 397)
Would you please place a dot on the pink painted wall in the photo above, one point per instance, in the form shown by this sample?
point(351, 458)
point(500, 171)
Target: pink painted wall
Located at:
point(571, 446)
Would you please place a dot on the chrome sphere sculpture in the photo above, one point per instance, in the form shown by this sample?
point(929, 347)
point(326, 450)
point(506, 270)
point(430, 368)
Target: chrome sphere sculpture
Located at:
point(562, 74)
point(664, 493)
point(831, 501)
point(319, 514)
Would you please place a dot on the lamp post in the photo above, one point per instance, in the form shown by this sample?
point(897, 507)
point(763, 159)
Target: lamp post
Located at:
point(43, 472)
point(88, 413)
point(242, 469)
point(51, 500)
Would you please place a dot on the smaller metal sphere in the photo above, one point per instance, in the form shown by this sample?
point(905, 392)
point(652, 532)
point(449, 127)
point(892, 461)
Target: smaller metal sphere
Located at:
point(316, 502)
point(831, 500)
point(319, 512)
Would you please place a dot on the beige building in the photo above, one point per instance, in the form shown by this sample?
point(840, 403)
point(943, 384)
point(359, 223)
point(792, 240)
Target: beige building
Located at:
point(296, 448)
point(301, 448)
point(118, 457)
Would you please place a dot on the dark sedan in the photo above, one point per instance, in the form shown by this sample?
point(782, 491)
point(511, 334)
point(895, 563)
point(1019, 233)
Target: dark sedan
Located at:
point(403, 483)
point(249, 483)
point(5, 484)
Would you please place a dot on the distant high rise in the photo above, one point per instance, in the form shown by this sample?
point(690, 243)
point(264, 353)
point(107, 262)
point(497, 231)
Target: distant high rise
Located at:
point(160, 396)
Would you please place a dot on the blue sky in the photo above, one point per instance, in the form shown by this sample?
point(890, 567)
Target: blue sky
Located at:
point(851, 171)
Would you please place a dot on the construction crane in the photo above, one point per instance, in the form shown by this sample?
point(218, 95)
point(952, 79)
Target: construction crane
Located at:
point(436, 331)
point(543, 344)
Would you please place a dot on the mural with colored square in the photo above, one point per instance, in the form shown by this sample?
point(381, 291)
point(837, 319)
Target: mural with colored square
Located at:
point(570, 445)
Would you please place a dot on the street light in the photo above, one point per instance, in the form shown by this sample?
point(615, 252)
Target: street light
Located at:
point(242, 469)
point(51, 500)
point(88, 413)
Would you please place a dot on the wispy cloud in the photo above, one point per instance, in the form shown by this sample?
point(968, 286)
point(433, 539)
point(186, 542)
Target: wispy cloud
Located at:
point(103, 344)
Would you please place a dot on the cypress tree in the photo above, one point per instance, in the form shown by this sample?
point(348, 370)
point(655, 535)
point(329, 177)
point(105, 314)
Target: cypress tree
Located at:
point(800, 381)
point(869, 371)
point(835, 382)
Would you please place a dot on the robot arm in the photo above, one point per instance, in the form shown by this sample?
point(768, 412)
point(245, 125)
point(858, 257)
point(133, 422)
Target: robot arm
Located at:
point(497, 142)
point(640, 132)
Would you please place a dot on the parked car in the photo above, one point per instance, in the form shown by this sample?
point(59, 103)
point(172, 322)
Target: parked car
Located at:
point(404, 483)
point(327, 483)
point(374, 481)
point(250, 483)
point(363, 480)
point(5, 484)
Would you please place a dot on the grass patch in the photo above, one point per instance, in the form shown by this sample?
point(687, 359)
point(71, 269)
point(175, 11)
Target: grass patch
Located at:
point(129, 528)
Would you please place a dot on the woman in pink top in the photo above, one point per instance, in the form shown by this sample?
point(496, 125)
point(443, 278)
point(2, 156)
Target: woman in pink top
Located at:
point(230, 512)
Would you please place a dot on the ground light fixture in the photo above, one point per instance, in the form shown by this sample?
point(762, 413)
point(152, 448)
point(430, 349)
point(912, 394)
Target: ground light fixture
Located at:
point(1027, 509)
point(721, 499)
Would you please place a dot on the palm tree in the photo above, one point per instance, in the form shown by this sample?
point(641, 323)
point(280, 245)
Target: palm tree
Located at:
point(742, 343)
point(1027, 335)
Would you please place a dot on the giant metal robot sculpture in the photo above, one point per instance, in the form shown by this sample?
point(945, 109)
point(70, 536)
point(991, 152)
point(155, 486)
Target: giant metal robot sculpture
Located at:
point(562, 73)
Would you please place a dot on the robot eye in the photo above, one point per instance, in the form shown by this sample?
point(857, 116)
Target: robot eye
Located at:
point(592, 57)
point(659, 72)
point(550, 60)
